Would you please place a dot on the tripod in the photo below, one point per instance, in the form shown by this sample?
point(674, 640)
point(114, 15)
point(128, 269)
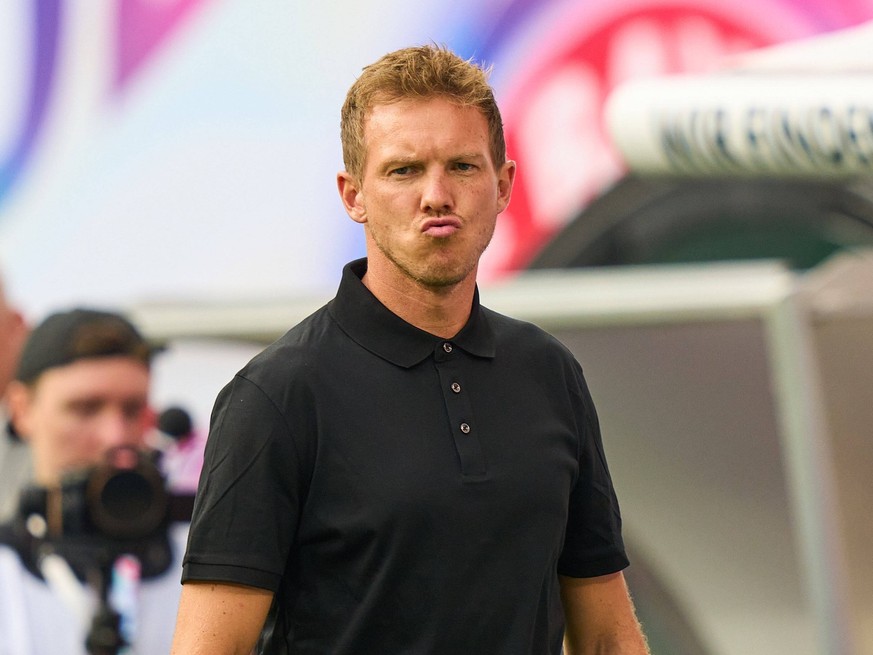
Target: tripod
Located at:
point(104, 635)
point(105, 627)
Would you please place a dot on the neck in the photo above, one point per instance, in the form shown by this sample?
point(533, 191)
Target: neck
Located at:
point(442, 311)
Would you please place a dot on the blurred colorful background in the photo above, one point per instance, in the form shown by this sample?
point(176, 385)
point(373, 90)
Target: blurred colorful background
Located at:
point(182, 153)
point(187, 148)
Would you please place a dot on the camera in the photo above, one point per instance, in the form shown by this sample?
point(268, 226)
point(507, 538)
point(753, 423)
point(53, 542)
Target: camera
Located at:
point(118, 507)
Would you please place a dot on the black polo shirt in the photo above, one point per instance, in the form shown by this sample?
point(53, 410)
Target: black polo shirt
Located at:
point(403, 493)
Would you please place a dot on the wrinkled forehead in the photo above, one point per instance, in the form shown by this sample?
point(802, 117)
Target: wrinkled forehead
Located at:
point(419, 114)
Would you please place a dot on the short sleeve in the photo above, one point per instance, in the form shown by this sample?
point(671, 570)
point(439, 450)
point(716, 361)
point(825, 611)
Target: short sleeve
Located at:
point(250, 494)
point(593, 543)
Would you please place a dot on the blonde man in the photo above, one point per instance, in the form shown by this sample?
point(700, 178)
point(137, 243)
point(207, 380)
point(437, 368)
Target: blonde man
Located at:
point(406, 471)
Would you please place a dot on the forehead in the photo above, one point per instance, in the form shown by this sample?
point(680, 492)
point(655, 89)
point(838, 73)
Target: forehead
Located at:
point(430, 119)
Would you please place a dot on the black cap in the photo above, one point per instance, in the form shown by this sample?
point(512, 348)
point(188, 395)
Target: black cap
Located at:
point(65, 337)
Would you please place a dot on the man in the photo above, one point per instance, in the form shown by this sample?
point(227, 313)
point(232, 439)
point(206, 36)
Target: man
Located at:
point(15, 467)
point(80, 400)
point(406, 471)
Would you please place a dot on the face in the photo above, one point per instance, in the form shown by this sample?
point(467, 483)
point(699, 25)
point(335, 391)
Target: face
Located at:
point(75, 413)
point(13, 333)
point(430, 193)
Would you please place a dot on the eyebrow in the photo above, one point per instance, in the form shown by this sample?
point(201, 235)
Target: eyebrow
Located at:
point(403, 161)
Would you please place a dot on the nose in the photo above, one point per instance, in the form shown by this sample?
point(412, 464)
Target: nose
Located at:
point(118, 428)
point(437, 196)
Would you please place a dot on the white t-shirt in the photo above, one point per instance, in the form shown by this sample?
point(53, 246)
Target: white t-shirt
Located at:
point(36, 620)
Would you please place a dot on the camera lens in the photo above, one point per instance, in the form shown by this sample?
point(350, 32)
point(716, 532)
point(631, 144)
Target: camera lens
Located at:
point(126, 495)
point(127, 503)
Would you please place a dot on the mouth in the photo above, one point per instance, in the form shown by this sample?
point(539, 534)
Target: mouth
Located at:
point(441, 227)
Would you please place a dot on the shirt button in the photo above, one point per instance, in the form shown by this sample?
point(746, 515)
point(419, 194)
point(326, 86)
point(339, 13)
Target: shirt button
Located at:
point(456, 387)
point(447, 347)
point(465, 428)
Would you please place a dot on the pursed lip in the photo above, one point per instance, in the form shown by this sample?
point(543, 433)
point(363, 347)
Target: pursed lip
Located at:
point(442, 226)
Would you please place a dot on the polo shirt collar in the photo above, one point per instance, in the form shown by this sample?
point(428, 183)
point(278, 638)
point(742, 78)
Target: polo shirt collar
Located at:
point(373, 326)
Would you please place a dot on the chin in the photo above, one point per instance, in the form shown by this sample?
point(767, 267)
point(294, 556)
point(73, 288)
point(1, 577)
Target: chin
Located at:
point(444, 277)
point(435, 270)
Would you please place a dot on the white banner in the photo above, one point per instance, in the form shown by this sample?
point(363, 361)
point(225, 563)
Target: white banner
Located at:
point(746, 123)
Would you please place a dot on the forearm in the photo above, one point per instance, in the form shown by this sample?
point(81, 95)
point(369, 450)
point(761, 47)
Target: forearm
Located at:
point(219, 619)
point(600, 617)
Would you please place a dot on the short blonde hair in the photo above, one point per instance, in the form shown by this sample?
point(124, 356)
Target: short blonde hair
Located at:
point(417, 72)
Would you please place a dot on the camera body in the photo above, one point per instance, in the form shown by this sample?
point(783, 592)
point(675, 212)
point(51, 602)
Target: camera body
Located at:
point(119, 507)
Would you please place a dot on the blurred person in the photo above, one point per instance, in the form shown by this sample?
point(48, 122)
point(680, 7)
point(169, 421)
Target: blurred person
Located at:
point(15, 466)
point(406, 471)
point(80, 401)
point(181, 445)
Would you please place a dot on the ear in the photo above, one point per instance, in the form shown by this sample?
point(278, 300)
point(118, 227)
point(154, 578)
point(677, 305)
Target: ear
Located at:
point(352, 196)
point(19, 398)
point(505, 180)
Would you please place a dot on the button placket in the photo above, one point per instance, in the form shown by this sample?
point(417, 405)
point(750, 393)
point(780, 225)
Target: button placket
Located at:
point(460, 412)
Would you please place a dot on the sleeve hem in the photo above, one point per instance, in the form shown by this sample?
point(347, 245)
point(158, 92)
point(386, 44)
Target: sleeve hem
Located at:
point(603, 566)
point(232, 574)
